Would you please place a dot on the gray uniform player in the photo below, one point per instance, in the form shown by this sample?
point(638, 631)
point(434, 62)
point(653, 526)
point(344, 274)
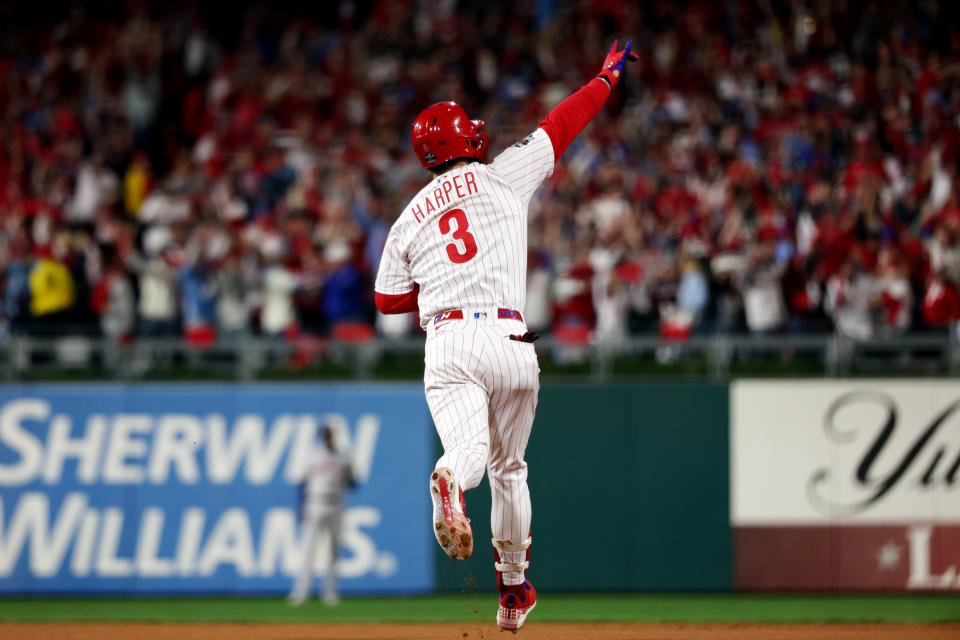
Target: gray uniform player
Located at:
point(323, 498)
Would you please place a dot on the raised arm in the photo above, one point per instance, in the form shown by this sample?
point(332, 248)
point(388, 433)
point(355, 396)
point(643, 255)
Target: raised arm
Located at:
point(568, 118)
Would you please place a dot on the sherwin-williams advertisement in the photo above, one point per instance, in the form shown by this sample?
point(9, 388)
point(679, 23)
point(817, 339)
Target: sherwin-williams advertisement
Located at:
point(151, 489)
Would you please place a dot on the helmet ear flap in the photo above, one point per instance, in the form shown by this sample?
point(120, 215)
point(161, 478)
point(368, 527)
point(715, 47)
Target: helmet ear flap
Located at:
point(481, 140)
point(482, 149)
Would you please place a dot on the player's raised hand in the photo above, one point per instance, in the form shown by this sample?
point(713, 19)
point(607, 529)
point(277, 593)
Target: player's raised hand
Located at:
point(613, 65)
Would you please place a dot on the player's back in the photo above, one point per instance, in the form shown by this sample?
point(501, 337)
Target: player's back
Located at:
point(468, 241)
point(463, 237)
point(327, 475)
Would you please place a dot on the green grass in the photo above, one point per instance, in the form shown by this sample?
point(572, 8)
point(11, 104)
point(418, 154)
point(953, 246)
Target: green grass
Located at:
point(477, 607)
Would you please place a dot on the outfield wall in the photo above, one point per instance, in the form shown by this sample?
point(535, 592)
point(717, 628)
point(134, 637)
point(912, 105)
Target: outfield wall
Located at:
point(629, 485)
point(193, 488)
point(846, 485)
point(697, 486)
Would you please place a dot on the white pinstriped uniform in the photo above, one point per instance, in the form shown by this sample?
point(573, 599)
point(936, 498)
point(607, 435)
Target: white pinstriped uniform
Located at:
point(480, 385)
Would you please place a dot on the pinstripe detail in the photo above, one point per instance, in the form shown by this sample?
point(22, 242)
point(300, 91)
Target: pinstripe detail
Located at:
point(482, 391)
point(481, 387)
point(415, 251)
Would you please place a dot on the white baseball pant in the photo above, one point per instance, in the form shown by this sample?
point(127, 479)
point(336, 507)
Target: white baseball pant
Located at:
point(322, 523)
point(482, 391)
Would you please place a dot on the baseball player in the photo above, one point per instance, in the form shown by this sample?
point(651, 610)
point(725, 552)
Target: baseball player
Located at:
point(322, 497)
point(458, 254)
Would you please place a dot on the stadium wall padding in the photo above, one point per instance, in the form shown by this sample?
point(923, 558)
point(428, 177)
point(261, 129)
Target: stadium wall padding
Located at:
point(629, 485)
point(785, 484)
point(193, 488)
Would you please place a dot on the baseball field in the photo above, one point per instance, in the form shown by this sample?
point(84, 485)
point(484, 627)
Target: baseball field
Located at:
point(558, 617)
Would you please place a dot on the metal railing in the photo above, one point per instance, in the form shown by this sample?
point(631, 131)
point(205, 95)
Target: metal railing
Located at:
point(25, 358)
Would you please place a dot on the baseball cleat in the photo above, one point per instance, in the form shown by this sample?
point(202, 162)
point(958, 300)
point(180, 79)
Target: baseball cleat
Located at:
point(331, 599)
point(450, 523)
point(516, 603)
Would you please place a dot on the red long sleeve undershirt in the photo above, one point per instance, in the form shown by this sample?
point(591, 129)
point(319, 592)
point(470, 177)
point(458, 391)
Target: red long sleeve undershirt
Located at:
point(401, 303)
point(568, 118)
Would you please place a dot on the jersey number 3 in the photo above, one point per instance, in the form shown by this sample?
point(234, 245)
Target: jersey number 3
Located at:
point(460, 233)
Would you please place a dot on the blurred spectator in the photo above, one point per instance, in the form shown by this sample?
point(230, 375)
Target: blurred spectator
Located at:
point(51, 289)
point(761, 290)
point(16, 289)
point(537, 312)
point(136, 184)
point(944, 252)
point(803, 296)
point(692, 292)
point(610, 302)
point(158, 294)
point(345, 290)
point(233, 290)
point(573, 310)
point(96, 186)
point(198, 287)
point(278, 315)
point(896, 297)
point(729, 303)
point(941, 305)
point(679, 317)
point(607, 210)
point(737, 172)
point(850, 300)
point(113, 299)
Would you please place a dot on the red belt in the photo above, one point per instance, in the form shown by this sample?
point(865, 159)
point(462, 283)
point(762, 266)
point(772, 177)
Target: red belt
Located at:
point(457, 314)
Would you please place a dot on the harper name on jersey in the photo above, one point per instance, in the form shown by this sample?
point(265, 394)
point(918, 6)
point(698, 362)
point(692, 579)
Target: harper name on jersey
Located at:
point(459, 186)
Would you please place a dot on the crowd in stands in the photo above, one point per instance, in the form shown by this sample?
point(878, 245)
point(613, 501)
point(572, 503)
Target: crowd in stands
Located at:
point(765, 167)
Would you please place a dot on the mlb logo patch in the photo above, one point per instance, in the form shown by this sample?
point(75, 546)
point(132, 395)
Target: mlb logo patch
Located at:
point(479, 315)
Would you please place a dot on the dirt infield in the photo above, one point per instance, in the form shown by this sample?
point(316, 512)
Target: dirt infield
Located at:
point(472, 630)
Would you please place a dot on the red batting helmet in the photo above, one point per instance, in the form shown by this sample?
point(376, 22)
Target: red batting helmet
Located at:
point(443, 132)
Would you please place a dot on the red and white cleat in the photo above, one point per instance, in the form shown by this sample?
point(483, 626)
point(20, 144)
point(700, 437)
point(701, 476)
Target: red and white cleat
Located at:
point(450, 523)
point(516, 602)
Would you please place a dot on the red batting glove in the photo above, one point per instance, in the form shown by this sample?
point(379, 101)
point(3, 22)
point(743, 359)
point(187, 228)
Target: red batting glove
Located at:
point(613, 65)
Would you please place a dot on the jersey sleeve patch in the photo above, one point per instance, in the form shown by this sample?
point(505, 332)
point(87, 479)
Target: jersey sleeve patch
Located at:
point(522, 142)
